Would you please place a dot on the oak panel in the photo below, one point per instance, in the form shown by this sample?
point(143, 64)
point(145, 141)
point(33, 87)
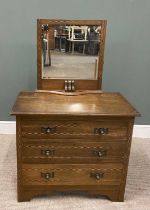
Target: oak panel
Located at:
point(116, 129)
point(74, 152)
point(72, 174)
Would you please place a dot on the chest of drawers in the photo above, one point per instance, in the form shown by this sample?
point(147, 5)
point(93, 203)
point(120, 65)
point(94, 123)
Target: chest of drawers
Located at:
point(73, 143)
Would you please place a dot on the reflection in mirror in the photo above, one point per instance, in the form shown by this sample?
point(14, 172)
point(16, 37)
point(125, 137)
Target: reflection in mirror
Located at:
point(70, 51)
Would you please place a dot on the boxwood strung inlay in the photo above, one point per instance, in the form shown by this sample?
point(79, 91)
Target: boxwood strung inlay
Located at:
point(70, 135)
point(60, 150)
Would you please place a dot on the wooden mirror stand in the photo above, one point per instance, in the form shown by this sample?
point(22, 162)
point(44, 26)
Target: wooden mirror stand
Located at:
point(61, 83)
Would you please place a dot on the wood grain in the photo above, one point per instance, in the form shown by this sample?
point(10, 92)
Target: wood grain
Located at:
point(74, 152)
point(102, 104)
point(74, 143)
point(71, 174)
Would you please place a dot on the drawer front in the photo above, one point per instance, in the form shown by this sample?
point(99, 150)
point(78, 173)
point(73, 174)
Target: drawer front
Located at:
point(75, 153)
point(99, 129)
point(72, 174)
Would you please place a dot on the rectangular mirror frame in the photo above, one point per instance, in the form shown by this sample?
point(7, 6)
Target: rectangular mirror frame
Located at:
point(59, 84)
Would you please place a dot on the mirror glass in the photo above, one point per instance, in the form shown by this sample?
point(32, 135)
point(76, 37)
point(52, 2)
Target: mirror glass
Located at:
point(70, 51)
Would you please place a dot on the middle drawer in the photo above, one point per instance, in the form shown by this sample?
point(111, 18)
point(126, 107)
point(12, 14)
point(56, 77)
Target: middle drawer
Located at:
point(90, 152)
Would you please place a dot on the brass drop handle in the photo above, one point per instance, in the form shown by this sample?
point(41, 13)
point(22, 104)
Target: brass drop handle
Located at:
point(100, 131)
point(97, 175)
point(100, 152)
point(47, 152)
point(47, 175)
point(48, 130)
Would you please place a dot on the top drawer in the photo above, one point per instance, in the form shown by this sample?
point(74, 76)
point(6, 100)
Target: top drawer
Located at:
point(101, 129)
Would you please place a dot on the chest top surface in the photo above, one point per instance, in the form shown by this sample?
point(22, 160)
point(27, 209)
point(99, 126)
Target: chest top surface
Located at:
point(98, 104)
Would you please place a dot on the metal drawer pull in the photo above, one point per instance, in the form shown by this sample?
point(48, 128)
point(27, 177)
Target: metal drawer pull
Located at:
point(101, 131)
point(47, 152)
point(97, 175)
point(48, 130)
point(100, 152)
point(47, 175)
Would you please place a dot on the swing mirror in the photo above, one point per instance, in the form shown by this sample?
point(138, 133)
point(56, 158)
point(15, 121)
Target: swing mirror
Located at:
point(70, 50)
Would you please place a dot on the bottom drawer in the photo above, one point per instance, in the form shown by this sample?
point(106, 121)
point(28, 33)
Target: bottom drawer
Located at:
point(67, 174)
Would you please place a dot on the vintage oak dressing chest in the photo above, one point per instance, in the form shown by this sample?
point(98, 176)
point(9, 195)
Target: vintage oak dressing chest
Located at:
point(71, 135)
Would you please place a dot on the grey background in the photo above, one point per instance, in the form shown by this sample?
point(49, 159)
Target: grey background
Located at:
point(127, 54)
